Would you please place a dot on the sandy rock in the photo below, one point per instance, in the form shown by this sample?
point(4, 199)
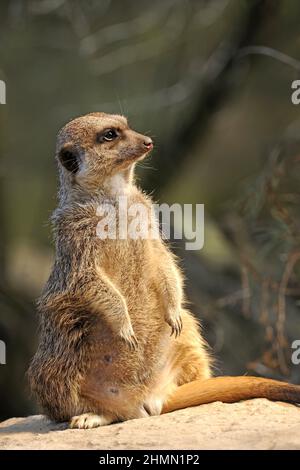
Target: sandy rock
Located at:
point(253, 424)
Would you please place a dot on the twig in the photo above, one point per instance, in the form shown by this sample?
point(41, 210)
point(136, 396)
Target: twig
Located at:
point(270, 52)
point(232, 299)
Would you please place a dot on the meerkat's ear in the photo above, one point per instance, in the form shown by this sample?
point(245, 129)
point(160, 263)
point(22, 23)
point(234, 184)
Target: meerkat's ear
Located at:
point(69, 158)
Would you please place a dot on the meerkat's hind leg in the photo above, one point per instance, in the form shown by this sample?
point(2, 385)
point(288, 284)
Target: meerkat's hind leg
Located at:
point(89, 421)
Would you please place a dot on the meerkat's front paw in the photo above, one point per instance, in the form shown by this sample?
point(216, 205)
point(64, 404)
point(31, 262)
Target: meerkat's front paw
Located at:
point(88, 421)
point(153, 406)
point(173, 318)
point(127, 334)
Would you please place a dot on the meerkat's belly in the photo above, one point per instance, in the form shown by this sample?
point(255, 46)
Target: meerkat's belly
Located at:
point(119, 380)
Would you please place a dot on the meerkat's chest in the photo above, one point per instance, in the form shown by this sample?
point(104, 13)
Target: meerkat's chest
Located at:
point(126, 220)
point(126, 229)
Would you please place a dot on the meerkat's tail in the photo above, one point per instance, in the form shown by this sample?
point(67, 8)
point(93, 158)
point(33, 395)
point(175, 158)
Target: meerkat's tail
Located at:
point(230, 390)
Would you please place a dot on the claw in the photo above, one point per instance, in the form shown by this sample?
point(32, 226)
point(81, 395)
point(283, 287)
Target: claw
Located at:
point(133, 342)
point(129, 337)
point(175, 324)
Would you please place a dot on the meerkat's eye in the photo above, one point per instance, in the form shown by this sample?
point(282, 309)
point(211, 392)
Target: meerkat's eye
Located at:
point(107, 136)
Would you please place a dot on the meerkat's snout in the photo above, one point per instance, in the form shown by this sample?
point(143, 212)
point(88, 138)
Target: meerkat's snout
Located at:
point(133, 147)
point(145, 146)
point(142, 143)
point(148, 142)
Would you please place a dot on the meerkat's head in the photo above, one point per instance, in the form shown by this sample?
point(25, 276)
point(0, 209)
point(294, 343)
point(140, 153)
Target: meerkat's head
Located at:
point(94, 148)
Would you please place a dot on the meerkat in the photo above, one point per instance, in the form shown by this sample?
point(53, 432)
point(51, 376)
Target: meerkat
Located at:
point(116, 341)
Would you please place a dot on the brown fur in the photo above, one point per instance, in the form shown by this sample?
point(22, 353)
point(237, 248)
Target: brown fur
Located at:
point(106, 313)
point(230, 390)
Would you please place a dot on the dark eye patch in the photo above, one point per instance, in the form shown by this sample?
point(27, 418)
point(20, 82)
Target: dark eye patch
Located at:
point(107, 136)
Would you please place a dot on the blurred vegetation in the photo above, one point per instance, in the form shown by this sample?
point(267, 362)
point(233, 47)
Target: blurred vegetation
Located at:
point(227, 135)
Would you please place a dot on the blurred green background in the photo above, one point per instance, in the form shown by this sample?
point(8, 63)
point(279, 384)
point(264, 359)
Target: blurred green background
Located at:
point(226, 134)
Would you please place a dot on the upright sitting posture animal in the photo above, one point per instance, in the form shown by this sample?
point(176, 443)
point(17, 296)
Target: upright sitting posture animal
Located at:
point(115, 339)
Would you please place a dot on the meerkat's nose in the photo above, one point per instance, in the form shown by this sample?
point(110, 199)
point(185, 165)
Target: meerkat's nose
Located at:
point(148, 142)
